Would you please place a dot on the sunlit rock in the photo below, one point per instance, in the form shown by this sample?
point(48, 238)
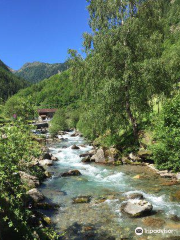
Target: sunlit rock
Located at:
point(137, 208)
point(36, 195)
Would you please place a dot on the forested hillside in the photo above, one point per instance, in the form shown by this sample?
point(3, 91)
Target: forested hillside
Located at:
point(37, 71)
point(9, 83)
point(57, 91)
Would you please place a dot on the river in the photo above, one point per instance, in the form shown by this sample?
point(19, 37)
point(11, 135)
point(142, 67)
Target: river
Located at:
point(101, 219)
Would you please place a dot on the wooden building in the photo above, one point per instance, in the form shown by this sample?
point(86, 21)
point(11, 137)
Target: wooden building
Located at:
point(47, 113)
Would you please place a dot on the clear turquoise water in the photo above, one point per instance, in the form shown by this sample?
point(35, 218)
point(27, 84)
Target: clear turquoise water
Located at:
point(97, 219)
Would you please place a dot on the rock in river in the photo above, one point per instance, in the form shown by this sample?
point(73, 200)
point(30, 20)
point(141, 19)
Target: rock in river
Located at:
point(47, 156)
point(45, 162)
point(75, 147)
point(99, 157)
point(71, 173)
point(82, 199)
point(137, 208)
point(35, 195)
point(104, 155)
point(86, 159)
point(53, 158)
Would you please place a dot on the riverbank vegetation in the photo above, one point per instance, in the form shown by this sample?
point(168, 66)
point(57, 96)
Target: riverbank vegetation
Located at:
point(18, 149)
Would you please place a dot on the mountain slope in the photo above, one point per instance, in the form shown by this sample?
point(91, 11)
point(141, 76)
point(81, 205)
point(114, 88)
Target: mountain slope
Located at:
point(9, 83)
point(57, 91)
point(37, 71)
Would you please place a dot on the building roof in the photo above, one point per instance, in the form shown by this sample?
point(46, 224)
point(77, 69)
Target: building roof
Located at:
point(47, 110)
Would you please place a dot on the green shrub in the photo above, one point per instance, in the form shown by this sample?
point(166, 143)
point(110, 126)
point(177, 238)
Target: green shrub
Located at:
point(19, 107)
point(17, 149)
point(166, 151)
point(59, 122)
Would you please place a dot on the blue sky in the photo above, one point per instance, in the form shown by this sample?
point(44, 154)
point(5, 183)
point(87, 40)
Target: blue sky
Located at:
point(41, 30)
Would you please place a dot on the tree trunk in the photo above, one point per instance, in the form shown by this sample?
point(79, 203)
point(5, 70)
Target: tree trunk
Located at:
point(133, 121)
point(128, 107)
point(131, 117)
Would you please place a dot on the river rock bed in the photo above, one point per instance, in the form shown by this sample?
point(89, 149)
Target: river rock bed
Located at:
point(108, 187)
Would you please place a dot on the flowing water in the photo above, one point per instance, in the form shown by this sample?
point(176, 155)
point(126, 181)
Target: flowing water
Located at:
point(108, 186)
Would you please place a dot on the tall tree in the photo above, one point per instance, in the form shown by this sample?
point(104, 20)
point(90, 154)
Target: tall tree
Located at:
point(124, 69)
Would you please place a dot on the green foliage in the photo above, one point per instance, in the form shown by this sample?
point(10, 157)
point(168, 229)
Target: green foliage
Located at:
point(20, 108)
point(166, 149)
point(72, 115)
point(124, 68)
point(17, 150)
point(37, 71)
point(9, 83)
point(59, 122)
point(55, 92)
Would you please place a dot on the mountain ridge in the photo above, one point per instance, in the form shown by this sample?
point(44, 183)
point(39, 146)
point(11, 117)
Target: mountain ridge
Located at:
point(9, 83)
point(37, 71)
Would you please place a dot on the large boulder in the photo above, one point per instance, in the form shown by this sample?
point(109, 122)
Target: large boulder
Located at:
point(99, 157)
point(112, 154)
point(35, 195)
point(46, 162)
point(29, 180)
point(106, 155)
point(71, 173)
point(137, 208)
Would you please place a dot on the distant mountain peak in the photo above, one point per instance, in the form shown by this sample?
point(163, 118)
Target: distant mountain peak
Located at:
point(37, 71)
